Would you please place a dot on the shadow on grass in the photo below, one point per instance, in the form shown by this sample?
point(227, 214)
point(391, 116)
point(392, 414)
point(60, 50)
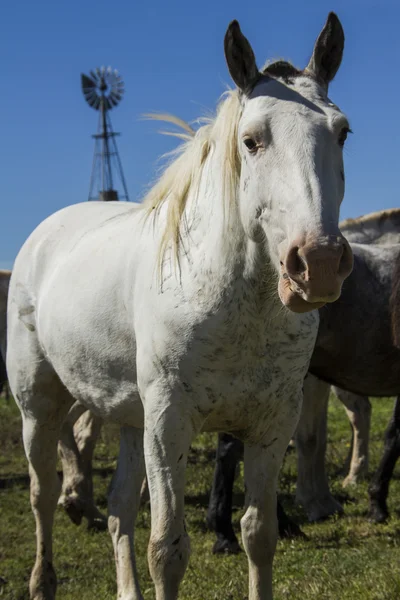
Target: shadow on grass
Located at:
point(22, 481)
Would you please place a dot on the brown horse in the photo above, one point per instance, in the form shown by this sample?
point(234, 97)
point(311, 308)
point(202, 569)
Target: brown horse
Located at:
point(355, 351)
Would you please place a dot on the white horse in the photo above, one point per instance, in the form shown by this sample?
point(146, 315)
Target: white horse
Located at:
point(195, 311)
point(379, 229)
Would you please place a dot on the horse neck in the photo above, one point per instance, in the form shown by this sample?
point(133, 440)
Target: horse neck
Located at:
point(215, 245)
point(211, 225)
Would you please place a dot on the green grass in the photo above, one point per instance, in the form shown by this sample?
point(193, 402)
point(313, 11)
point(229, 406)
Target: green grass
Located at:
point(345, 558)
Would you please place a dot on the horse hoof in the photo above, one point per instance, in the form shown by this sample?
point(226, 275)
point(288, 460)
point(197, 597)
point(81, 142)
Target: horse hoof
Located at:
point(350, 481)
point(324, 509)
point(378, 515)
point(97, 524)
point(43, 582)
point(226, 547)
point(291, 531)
point(72, 508)
point(325, 517)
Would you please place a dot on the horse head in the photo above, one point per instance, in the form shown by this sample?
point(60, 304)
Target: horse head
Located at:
point(290, 141)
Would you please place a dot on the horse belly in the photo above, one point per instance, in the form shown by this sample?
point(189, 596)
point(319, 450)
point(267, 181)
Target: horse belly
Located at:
point(90, 343)
point(106, 384)
point(110, 391)
point(122, 406)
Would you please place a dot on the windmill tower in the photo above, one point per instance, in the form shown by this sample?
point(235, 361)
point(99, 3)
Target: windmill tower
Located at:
point(103, 90)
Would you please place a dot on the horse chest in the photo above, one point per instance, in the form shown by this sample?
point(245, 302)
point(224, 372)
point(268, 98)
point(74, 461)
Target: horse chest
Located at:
point(249, 371)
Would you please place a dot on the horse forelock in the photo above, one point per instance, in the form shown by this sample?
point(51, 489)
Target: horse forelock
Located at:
point(282, 69)
point(302, 79)
point(183, 174)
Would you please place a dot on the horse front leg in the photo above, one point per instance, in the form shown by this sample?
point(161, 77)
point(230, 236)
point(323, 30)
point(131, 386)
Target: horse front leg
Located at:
point(259, 524)
point(312, 490)
point(168, 435)
point(123, 505)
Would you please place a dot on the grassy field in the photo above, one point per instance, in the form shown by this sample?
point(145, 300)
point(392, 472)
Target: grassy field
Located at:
point(345, 558)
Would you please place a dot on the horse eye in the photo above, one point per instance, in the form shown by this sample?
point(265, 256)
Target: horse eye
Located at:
point(343, 136)
point(250, 144)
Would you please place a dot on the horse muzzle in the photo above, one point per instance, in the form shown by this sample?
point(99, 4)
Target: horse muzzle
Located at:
point(312, 273)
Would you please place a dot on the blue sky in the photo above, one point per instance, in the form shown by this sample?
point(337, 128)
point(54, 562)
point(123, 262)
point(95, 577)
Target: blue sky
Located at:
point(171, 57)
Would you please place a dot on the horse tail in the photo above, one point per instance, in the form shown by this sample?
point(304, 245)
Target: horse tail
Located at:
point(4, 285)
point(395, 304)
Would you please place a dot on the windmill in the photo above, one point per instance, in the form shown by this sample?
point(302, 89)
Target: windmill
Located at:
point(103, 90)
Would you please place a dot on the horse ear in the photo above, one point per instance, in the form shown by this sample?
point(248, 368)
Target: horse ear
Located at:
point(240, 58)
point(328, 51)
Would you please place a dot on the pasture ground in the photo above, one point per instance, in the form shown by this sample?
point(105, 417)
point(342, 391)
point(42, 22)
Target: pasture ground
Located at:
point(345, 558)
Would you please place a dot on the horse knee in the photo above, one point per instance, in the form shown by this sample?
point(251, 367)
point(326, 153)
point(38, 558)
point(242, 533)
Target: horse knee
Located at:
point(168, 558)
point(259, 537)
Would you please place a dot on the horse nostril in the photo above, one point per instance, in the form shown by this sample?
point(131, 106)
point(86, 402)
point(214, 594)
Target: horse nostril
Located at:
point(294, 263)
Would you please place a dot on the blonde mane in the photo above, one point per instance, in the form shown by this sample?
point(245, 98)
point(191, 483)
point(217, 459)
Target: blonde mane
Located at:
point(185, 171)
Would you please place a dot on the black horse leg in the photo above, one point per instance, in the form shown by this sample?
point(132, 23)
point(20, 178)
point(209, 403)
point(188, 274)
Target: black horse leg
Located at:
point(379, 487)
point(219, 516)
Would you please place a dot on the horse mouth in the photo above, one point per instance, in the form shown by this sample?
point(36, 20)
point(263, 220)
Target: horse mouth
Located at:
point(292, 297)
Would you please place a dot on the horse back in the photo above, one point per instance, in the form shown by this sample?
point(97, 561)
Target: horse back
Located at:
point(56, 237)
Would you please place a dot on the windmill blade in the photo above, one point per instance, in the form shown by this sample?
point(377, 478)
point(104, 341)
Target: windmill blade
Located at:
point(114, 101)
point(87, 82)
point(116, 96)
point(89, 87)
point(91, 99)
point(95, 103)
point(95, 75)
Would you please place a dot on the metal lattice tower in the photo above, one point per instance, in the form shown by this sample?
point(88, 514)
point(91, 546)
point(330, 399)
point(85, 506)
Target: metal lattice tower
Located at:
point(103, 90)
